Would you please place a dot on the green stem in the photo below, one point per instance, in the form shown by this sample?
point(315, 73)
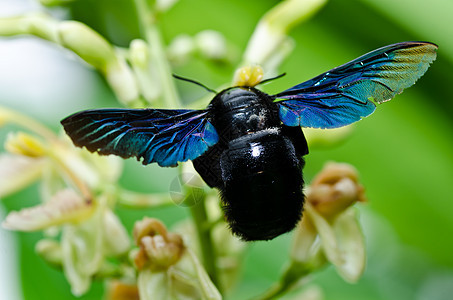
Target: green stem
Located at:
point(11, 116)
point(200, 218)
point(294, 273)
point(151, 34)
point(133, 199)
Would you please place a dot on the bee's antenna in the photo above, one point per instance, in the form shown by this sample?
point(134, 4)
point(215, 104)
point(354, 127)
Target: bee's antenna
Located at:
point(196, 82)
point(272, 78)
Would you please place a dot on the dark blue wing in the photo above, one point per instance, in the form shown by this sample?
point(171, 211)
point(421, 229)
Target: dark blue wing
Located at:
point(156, 135)
point(349, 92)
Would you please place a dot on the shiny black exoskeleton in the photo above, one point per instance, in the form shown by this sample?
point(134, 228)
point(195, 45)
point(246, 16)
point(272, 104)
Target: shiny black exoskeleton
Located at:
point(256, 165)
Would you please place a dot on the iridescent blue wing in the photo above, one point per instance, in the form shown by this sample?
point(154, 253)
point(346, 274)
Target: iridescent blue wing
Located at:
point(156, 135)
point(349, 92)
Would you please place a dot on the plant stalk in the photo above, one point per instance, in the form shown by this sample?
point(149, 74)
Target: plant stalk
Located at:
point(151, 34)
point(200, 218)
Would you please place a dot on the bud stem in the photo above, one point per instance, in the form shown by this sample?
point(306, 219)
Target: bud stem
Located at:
point(152, 36)
point(294, 273)
point(8, 115)
point(133, 199)
point(200, 218)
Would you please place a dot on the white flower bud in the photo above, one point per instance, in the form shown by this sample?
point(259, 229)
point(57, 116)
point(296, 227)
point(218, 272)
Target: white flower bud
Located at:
point(271, 33)
point(181, 48)
point(165, 5)
point(50, 251)
point(211, 44)
point(116, 239)
point(86, 43)
point(139, 54)
point(145, 72)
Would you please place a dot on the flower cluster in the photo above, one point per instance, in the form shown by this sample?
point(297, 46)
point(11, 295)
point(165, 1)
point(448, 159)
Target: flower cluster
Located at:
point(330, 227)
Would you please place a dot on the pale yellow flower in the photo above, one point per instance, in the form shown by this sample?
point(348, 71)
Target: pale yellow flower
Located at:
point(159, 249)
point(17, 172)
point(90, 232)
point(65, 207)
point(167, 268)
point(330, 225)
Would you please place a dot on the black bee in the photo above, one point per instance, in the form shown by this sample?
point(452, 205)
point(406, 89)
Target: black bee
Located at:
point(249, 144)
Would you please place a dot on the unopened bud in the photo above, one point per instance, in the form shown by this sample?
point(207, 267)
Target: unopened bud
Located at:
point(211, 44)
point(122, 81)
point(50, 251)
point(118, 290)
point(86, 43)
point(139, 53)
point(271, 32)
point(181, 48)
point(165, 5)
point(158, 248)
point(334, 189)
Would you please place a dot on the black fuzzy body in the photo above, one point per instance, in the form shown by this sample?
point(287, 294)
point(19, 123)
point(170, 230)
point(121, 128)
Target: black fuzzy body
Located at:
point(257, 164)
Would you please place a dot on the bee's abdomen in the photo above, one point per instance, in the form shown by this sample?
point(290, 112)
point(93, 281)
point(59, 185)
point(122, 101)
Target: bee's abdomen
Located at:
point(262, 192)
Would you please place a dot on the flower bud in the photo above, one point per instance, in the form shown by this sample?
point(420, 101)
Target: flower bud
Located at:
point(148, 81)
point(139, 53)
point(50, 251)
point(211, 44)
point(158, 248)
point(118, 290)
point(165, 5)
point(25, 144)
point(86, 43)
point(116, 239)
point(122, 81)
point(334, 189)
point(95, 50)
point(272, 29)
point(330, 230)
point(181, 48)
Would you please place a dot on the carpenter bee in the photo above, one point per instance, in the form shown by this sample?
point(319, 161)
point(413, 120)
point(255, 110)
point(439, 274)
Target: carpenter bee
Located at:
point(250, 145)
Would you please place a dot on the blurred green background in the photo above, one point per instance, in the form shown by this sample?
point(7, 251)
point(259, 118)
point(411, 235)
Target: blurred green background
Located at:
point(404, 152)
